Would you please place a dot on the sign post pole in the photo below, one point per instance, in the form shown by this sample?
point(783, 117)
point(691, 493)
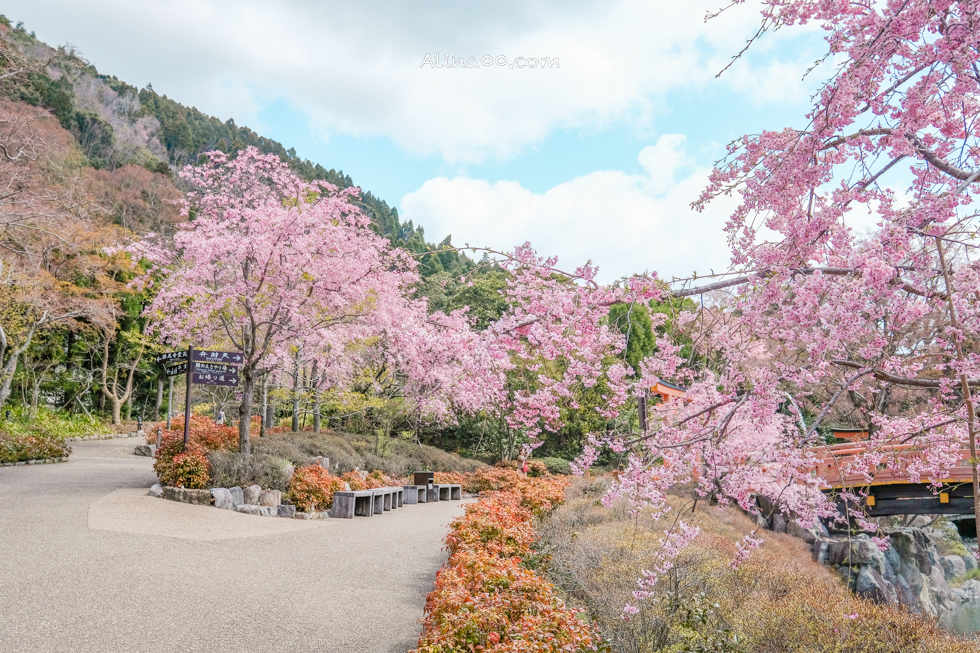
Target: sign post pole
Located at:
point(187, 402)
point(170, 401)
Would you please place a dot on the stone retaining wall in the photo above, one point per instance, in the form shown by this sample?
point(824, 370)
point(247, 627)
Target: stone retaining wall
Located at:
point(913, 572)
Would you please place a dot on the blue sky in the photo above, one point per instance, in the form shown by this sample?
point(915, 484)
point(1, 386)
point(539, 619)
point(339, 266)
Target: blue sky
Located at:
point(597, 158)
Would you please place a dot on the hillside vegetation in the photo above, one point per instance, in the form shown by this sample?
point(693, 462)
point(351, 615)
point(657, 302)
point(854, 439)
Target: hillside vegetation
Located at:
point(116, 124)
point(777, 600)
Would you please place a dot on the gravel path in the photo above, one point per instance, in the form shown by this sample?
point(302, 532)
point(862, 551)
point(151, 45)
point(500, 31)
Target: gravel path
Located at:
point(88, 562)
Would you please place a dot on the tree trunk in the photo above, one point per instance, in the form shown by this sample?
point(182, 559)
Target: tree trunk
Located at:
point(116, 410)
point(8, 377)
point(245, 411)
point(965, 385)
point(156, 408)
point(316, 417)
point(265, 406)
point(295, 423)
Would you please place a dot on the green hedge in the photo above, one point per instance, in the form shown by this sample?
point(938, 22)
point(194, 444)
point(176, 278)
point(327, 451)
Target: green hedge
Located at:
point(557, 465)
point(15, 449)
point(46, 423)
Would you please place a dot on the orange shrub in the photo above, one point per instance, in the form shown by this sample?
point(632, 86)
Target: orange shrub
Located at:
point(491, 479)
point(484, 600)
point(452, 478)
point(497, 525)
point(355, 481)
point(214, 437)
point(190, 468)
point(256, 424)
point(540, 495)
point(377, 478)
point(311, 488)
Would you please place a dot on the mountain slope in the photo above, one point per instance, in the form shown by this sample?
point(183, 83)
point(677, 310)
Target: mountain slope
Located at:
point(116, 124)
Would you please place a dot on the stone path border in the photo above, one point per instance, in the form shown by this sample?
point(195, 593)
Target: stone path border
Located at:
point(107, 436)
point(48, 461)
point(35, 461)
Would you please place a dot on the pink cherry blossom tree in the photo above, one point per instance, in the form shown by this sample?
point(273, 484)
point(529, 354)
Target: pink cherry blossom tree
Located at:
point(268, 263)
point(814, 312)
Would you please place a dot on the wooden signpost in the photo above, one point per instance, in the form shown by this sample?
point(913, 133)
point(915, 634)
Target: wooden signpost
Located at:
point(206, 368)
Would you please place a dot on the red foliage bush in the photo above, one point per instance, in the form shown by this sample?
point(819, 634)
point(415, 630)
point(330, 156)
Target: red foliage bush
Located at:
point(538, 494)
point(355, 481)
point(454, 478)
point(377, 478)
point(497, 525)
point(484, 599)
point(190, 468)
point(311, 488)
point(255, 426)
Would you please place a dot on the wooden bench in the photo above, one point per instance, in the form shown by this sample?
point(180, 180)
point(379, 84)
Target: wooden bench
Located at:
point(450, 492)
point(432, 494)
point(364, 503)
point(387, 498)
point(415, 494)
point(346, 504)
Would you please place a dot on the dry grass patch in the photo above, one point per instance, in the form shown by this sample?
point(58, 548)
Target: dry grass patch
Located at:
point(778, 601)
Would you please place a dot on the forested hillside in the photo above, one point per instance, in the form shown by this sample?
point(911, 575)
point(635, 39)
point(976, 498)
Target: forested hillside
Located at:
point(115, 124)
point(88, 162)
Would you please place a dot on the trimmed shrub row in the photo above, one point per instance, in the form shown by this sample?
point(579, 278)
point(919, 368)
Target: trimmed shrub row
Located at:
point(21, 448)
point(485, 598)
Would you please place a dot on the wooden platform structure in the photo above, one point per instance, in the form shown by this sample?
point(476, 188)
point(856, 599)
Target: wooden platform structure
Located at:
point(890, 491)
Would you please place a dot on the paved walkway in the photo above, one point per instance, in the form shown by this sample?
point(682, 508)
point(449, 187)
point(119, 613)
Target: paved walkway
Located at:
point(88, 562)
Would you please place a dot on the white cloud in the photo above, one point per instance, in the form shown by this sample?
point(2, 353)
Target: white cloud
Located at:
point(355, 67)
point(624, 223)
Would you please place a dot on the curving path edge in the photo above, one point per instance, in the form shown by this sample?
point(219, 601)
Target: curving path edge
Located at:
point(90, 563)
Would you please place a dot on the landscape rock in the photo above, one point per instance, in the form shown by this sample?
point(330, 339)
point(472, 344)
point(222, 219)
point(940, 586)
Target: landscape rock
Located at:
point(145, 450)
point(286, 511)
point(953, 566)
point(872, 585)
point(248, 509)
point(853, 553)
point(820, 547)
point(891, 555)
point(270, 498)
point(807, 535)
point(156, 490)
point(971, 590)
point(268, 511)
point(969, 562)
point(185, 495)
point(237, 496)
point(222, 498)
point(779, 523)
point(251, 494)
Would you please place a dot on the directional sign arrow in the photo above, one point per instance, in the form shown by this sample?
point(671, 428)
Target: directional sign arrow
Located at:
point(226, 357)
point(215, 368)
point(214, 379)
point(175, 370)
point(171, 356)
